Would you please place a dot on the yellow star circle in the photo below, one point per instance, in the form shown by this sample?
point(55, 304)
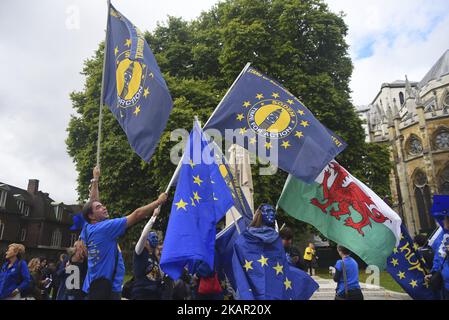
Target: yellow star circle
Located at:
point(181, 204)
point(248, 265)
point(287, 283)
point(278, 268)
point(263, 261)
point(197, 180)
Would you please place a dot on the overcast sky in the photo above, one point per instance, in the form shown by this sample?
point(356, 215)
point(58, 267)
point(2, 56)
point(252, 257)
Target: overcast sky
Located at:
point(43, 45)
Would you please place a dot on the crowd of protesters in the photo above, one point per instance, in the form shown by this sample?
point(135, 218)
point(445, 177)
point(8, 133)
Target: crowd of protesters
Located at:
point(94, 268)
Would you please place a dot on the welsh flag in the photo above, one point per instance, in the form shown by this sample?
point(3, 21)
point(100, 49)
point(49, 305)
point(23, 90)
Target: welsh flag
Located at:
point(346, 211)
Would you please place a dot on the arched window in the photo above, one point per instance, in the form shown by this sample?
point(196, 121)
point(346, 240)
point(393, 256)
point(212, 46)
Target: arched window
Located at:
point(401, 98)
point(423, 201)
point(444, 181)
point(441, 139)
point(414, 146)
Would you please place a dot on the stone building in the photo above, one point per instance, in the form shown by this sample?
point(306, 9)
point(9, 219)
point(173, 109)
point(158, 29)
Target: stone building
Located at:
point(32, 218)
point(412, 118)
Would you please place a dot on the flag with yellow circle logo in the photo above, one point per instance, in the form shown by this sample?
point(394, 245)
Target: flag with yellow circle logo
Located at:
point(266, 119)
point(134, 89)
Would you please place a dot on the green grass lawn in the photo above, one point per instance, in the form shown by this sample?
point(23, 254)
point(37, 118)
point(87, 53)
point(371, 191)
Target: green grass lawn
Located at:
point(385, 281)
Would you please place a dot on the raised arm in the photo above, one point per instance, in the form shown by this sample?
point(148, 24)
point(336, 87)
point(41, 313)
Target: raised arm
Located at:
point(143, 212)
point(94, 194)
point(146, 230)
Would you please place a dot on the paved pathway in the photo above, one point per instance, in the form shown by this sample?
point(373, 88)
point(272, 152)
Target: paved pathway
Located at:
point(370, 292)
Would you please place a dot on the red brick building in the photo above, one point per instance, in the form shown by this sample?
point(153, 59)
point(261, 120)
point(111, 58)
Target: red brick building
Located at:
point(32, 218)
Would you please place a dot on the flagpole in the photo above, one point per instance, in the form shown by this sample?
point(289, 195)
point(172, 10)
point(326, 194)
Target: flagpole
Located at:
point(178, 168)
point(100, 116)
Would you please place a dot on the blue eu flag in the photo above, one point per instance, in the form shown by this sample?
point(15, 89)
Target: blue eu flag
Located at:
point(201, 199)
point(263, 115)
point(224, 247)
point(261, 269)
point(407, 268)
point(134, 89)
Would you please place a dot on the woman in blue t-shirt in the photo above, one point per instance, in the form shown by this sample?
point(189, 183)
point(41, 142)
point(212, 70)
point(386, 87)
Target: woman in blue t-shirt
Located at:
point(14, 274)
point(347, 277)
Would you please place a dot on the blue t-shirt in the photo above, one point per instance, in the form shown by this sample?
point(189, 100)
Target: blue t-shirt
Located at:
point(10, 279)
point(102, 247)
point(352, 275)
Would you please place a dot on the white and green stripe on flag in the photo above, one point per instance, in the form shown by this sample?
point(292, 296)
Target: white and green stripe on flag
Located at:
point(345, 211)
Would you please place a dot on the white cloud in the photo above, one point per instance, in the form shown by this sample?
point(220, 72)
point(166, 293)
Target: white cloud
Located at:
point(41, 60)
point(41, 64)
point(407, 37)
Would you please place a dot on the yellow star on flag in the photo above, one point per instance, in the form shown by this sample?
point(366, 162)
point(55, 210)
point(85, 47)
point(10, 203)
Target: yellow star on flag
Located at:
point(240, 117)
point(137, 110)
point(197, 180)
point(286, 144)
point(246, 104)
point(301, 112)
point(181, 204)
point(252, 141)
point(248, 265)
point(278, 268)
point(196, 196)
point(401, 275)
point(268, 145)
point(287, 283)
point(304, 123)
point(414, 283)
point(192, 202)
point(116, 50)
point(275, 95)
point(415, 246)
point(191, 164)
point(263, 261)
point(395, 250)
point(259, 96)
point(394, 262)
point(242, 131)
point(128, 43)
point(146, 92)
point(290, 101)
point(299, 134)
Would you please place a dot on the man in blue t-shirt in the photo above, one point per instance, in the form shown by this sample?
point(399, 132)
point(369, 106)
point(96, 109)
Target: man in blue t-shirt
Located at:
point(100, 234)
point(347, 277)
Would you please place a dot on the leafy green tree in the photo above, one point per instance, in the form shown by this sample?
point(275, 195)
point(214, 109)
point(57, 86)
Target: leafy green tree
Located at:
point(300, 43)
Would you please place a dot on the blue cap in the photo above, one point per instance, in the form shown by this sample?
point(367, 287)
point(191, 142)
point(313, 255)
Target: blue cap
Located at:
point(153, 239)
point(268, 214)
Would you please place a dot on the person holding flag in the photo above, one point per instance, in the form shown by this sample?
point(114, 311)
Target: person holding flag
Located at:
point(260, 265)
point(106, 268)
